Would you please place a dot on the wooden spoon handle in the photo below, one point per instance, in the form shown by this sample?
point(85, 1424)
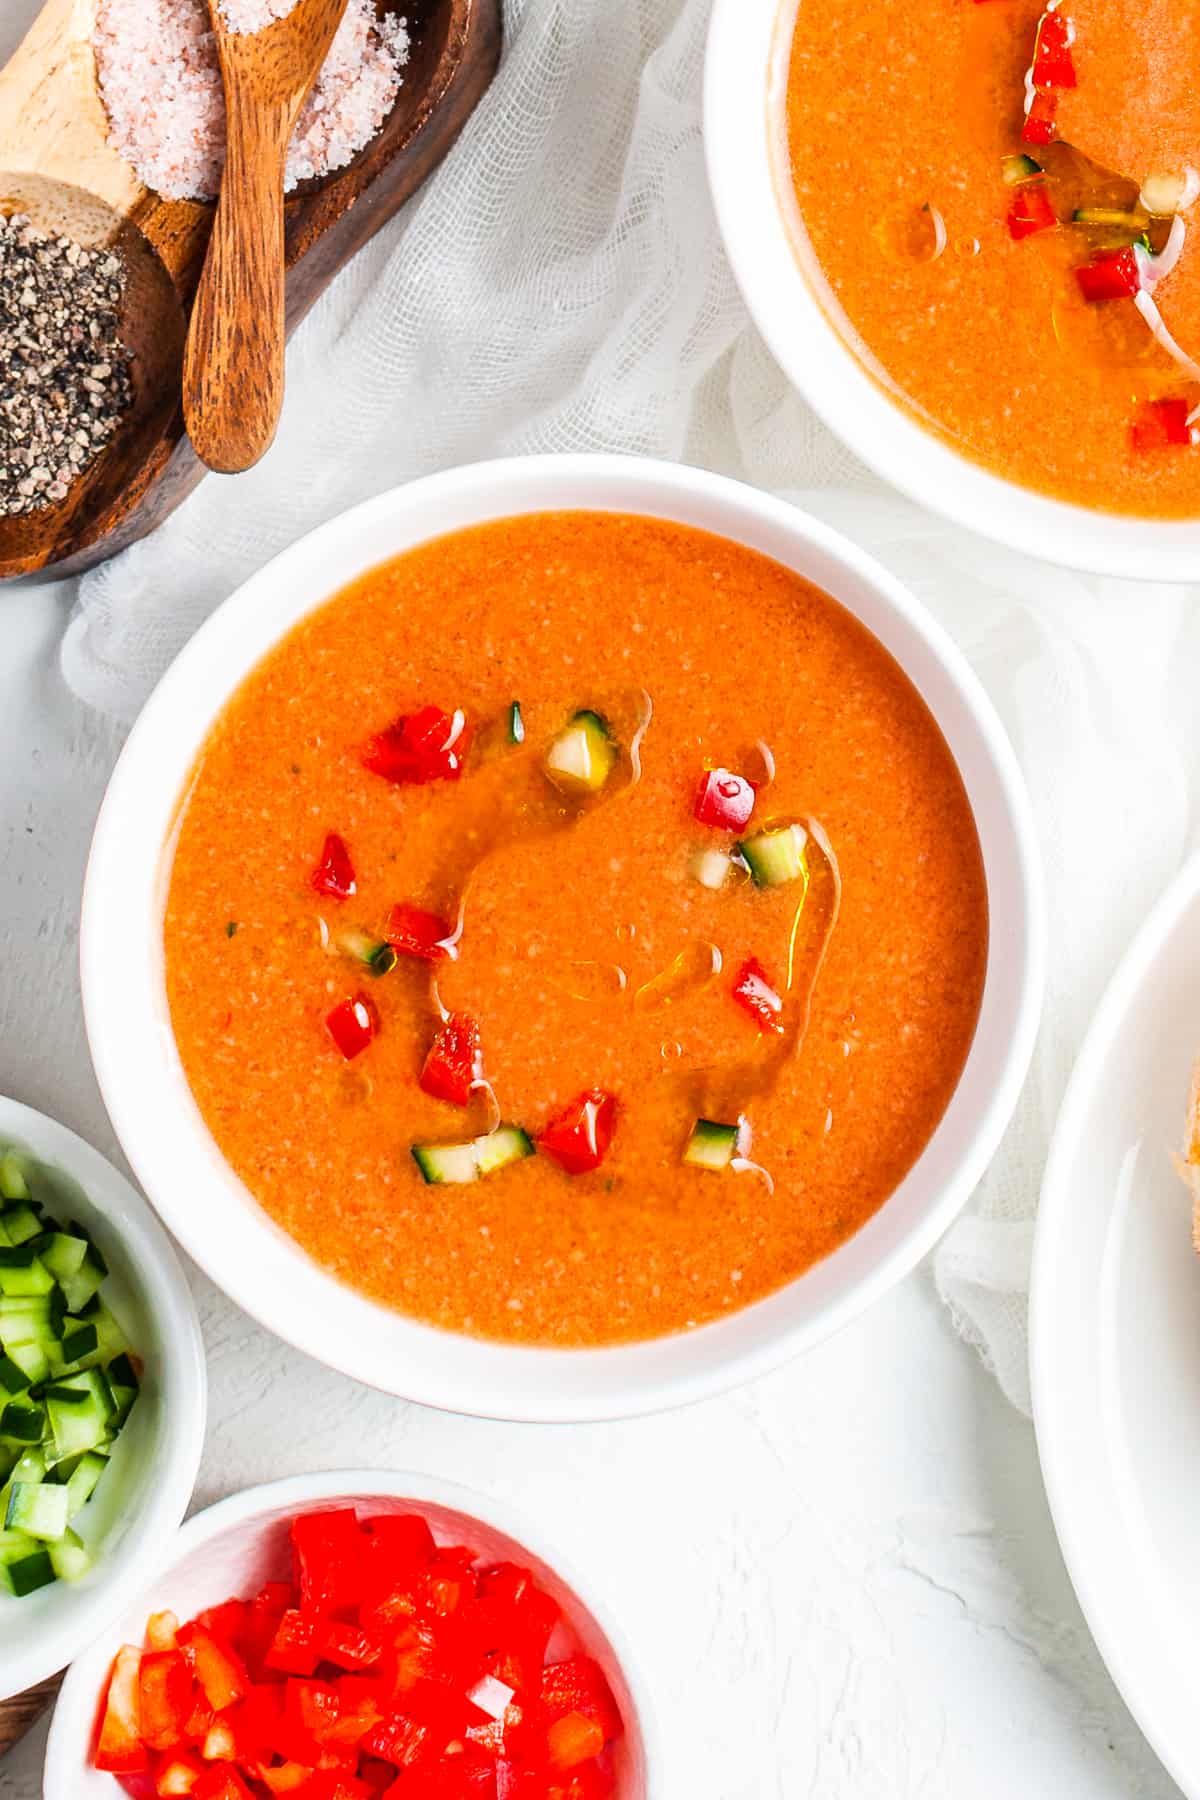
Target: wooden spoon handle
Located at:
point(233, 365)
point(24, 1710)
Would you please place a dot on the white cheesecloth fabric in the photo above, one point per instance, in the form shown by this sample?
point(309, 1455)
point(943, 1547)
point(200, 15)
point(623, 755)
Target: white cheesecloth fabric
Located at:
point(560, 285)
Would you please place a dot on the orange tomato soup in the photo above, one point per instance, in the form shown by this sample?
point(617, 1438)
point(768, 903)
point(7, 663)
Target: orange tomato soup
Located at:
point(1027, 286)
point(579, 937)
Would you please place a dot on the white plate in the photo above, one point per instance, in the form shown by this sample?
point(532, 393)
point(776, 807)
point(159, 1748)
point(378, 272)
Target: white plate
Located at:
point(146, 1492)
point(1115, 1333)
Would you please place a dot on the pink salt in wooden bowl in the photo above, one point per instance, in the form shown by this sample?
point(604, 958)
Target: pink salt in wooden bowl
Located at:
point(57, 165)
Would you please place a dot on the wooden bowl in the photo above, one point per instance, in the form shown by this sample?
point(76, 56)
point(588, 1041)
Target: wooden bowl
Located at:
point(56, 165)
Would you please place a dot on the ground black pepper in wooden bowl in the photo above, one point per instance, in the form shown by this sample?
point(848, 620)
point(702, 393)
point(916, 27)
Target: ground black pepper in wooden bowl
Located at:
point(66, 384)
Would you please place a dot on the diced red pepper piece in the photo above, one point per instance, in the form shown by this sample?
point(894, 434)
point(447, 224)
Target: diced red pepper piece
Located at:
point(287, 1778)
point(120, 1749)
point(430, 745)
point(454, 1063)
point(520, 1617)
point(414, 1651)
point(578, 1138)
point(200, 1720)
point(361, 1704)
point(253, 1725)
point(160, 1631)
point(1041, 121)
point(293, 1649)
point(217, 1667)
point(414, 932)
point(1160, 425)
point(328, 1548)
point(755, 994)
point(578, 1685)
point(224, 1621)
point(352, 1025)
point(220, 1782)
point(399, 1739)
point(725, 800)
point(349, 1646)
point(1031, 211)
point(397, 1544)
point(261, 1624)
point(1053, 64)
point(1113, 275)
point(574, 1739)
point(137, 1786)
point(220, 1744)
point(164, 1698)
point(334, 874)
point(177, 1773)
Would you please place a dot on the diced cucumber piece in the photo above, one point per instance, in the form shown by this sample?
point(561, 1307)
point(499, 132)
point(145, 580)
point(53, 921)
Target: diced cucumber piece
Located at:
point(80, 1339)
point(124, 1386)
point(1017, 169)
point(13, 1182)
point(32, 1361)
point(445, 1165)
point(70, 1557)
point(61, 1253)
point(80, 1410)
point(31, 1318)
point(30, 1466)
point(110, 1339)
point(516, 724)
point(81, 1287)
point(13, 1379)
point(1133, 223)
point(507, 1144)
point(38, 1508)
point(23, 1273)
point(581, 758)
point(21, 1223)
point(83, 1481)
point(24, 1421)
point(25, 1564)
point(775, 857)
point(375, 956)
point(712, 1145)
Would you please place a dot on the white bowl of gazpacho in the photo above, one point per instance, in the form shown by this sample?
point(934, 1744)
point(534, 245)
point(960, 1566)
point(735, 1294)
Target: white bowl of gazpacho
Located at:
point(972, 240)
point(355, 1634)
point(563, 937)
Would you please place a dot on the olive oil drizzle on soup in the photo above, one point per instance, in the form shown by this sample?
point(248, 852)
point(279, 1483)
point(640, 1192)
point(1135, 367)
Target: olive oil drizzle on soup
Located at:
point(576, 928)
point(999, 201)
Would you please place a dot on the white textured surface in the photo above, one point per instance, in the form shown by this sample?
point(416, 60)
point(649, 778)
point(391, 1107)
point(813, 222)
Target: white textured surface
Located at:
point(844, 1579)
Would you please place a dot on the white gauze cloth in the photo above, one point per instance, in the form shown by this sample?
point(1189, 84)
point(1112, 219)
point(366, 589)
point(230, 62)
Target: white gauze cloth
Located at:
point(559, 285)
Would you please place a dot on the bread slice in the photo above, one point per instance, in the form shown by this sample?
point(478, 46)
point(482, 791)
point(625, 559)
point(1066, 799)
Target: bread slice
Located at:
point(1188, 1164)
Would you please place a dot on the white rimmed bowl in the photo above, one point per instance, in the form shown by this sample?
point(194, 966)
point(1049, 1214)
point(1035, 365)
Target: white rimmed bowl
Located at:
point(207, 1206)
point(236, 1545)
point(146, 1491)
point(745, 86)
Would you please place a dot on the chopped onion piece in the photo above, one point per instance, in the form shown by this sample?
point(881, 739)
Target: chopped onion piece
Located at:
point(1167, 194)
point(711, 868)
point(492, 1697)
point(1148, 308)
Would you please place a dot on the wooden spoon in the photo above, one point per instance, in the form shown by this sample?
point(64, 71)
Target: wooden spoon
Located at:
point(233, 364)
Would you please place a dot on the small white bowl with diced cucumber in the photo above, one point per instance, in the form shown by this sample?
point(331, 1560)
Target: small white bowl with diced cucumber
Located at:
point(102, 1394)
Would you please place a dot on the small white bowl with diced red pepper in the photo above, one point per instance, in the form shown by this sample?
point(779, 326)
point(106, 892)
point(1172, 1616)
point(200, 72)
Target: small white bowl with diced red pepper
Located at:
point(341, 1636)
point(102, 1394)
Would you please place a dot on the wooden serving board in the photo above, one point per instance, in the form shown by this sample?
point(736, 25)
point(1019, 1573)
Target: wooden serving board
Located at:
point(24, 1710)
point(56, 164)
